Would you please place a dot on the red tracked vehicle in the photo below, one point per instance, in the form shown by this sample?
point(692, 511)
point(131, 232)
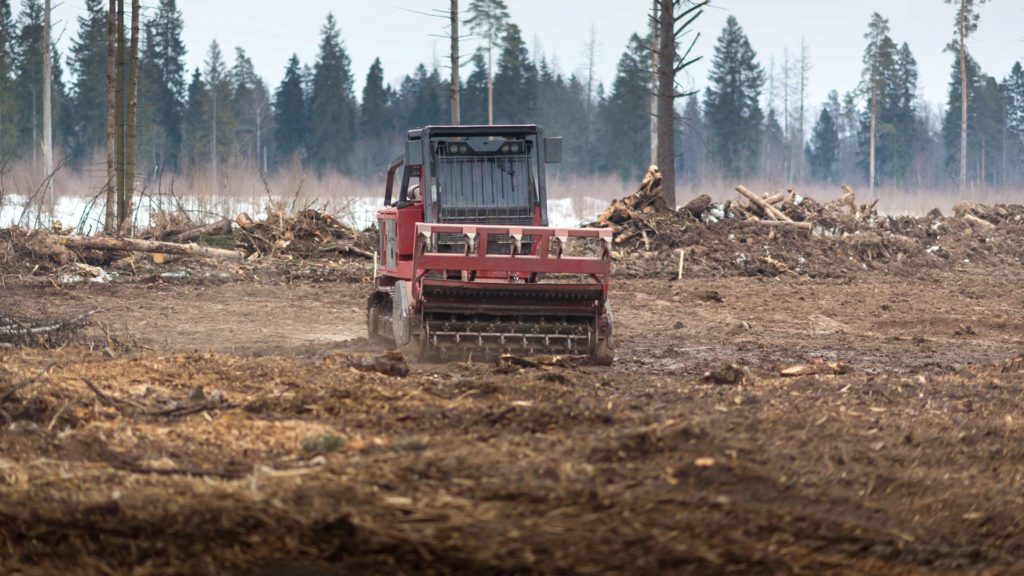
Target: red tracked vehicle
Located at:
point(468, 265)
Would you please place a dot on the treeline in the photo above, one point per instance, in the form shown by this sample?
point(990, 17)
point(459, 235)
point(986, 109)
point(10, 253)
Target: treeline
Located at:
point(751, 122)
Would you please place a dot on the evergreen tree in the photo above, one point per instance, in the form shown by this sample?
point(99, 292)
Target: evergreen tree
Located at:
point(332, 105)
point(515, 84)
point(421, 99)
point(987, 115)
point(89, 91)
point(624, 117)
point(290, 112)
point(373, 114)
point(376, 129)
point(250, 107)
point(731, 104)
point(775, 148)
point(7, 130)
point(692, 141)
point(196, 125)
point(162, 86)
point(219, 113)
point(489, 21)
point(1014, 90)
point(28, 81)
point(823, 149)
point(474, 95)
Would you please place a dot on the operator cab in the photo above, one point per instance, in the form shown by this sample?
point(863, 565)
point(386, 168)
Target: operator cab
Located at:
point(475, 174)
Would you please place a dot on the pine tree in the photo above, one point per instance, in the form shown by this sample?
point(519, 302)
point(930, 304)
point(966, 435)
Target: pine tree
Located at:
point(1014, 90)
point(89, 90)
point(474, 94)
point(373, 113)
point(876, 55)
point(692, 141)
point(290, 112)
point(624, 117)
point(7, 130)
point(731, 104)
point(422, 99)
point(332, 105)
point(515, 84)
point(489, 21)
point(986, 119)
point(196, 125)
point(162, 87)
point(823, 149)
point(250, 108)
point(220, 114)
point(375, 122)
point(966, 24)
point(28, 81)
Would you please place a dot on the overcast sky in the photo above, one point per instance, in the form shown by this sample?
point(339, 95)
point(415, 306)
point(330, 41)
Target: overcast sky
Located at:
point(271, 31)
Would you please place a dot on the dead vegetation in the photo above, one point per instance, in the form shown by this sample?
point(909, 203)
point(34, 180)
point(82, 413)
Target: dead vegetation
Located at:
point(784, 233)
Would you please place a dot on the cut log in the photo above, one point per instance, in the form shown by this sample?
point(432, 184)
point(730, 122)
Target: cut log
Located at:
point(775, 199)
point(978, 221)
point(221, 228)
point(770, 210)
point(791, 224)
point(150, 246)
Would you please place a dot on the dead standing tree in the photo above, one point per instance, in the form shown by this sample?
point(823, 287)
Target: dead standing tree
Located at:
point(125, 210)
point(675, 19)
point(110, 214)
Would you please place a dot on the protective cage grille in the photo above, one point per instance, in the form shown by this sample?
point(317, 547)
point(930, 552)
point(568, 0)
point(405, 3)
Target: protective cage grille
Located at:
point(486, 189)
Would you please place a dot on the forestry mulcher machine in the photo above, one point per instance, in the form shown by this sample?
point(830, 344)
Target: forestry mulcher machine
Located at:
point(468, 267)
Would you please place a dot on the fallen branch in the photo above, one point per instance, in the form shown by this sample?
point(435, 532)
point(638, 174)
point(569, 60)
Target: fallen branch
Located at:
point(151, 246)
point(770, 210)
point(220, 228)
point(346, 249)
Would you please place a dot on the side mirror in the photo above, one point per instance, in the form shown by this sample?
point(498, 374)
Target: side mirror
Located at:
point(552, 150)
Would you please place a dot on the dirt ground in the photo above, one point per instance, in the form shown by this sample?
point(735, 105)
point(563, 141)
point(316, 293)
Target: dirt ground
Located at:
point(225, 423)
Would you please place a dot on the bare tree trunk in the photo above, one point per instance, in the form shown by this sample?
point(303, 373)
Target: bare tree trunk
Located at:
point(490, 78)
point(963, 97)
point(456, 114)
point(47, 109)
point(110, 215)
point(133, 93)
point(654, 82)
point(214, 156)
point(871, 154)
point(666, 100)
point(805, 68)
point(119, 116)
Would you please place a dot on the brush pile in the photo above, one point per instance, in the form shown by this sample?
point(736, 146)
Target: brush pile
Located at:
point(785, 233)
point(49, 333)
point(307, 234)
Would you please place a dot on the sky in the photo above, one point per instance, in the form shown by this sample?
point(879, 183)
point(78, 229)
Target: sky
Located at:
point(393, 30)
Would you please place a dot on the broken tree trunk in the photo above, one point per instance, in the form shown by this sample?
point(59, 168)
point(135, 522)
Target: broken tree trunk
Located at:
point(152, 246)
point(770, 210)
point(221, 228)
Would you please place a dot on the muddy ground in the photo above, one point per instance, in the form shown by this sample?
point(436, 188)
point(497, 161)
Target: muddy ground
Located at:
point(230, 422)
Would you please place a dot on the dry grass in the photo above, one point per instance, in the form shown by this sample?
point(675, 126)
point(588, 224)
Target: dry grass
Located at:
point(294, 188)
